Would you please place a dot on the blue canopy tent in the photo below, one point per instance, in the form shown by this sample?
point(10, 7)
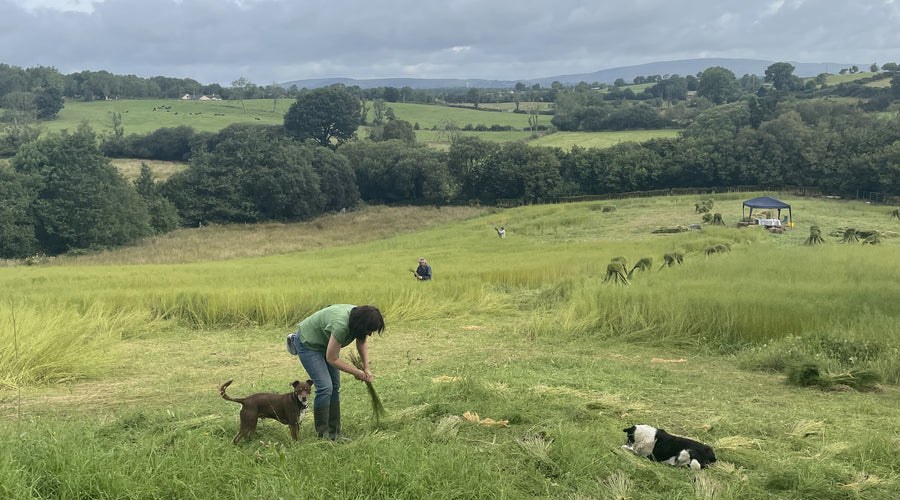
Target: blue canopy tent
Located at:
point(767, 202)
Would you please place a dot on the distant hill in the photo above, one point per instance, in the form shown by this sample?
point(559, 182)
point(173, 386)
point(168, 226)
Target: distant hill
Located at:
point(739, 67)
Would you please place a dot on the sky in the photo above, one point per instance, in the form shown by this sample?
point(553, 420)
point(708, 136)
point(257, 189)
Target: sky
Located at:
point(274, 41)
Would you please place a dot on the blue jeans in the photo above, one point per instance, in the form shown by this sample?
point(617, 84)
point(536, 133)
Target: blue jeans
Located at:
point(326, 378)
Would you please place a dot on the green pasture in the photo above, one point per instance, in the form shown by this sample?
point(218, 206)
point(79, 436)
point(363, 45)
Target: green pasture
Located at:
point(439, 116)
point(511, 375)
point(566, 140)
point(526, 106)
point(836, 78)
point(141, 116)
point(883, 83)
point(441, 139)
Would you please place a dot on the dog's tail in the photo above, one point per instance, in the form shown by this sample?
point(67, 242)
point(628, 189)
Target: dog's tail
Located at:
point(226, 396)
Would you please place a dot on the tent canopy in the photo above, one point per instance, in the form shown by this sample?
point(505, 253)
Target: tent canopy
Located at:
point(767, 202)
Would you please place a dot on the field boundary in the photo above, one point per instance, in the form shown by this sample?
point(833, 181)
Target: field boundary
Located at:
point(793, 190)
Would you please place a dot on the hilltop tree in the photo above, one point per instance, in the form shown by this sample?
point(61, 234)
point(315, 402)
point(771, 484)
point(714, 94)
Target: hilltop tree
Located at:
point(241, 87)
point(781, 76)
point(328, 115)
point(718, 84)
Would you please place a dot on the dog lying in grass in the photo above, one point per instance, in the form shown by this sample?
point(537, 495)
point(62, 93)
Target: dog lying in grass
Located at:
point(659, 445)
point(289, 409)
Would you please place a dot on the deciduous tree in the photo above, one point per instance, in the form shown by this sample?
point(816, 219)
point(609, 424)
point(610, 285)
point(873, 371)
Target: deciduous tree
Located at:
point(718, 84)
point(17, 238)
point(781, 76)
point(81, 200)
point(328, 115)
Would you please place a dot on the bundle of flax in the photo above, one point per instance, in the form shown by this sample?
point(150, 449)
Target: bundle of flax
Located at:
point(378, 410)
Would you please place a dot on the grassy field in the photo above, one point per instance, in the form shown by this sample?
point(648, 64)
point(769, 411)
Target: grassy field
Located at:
point(429, 116)
point(442, 139)
point(523, 106)
point(162, 170)
point(886, 82)
point(144, 116)
point(566, 140)
point(834, 79)
point(110, 389)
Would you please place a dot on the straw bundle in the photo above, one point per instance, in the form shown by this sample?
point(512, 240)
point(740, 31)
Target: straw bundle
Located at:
point(615, 272)
point(378, 410)
point(815, 236)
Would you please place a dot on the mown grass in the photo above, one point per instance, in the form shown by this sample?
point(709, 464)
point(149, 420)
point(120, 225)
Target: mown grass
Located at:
point(520, 329)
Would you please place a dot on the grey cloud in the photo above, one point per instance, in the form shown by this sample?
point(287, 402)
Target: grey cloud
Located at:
point(279, 40)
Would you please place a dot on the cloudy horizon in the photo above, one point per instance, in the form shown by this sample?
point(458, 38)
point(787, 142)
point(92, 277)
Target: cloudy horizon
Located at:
point(274, 41)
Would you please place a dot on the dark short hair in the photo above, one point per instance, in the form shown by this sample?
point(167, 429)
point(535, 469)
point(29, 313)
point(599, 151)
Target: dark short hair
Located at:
point(364, 320)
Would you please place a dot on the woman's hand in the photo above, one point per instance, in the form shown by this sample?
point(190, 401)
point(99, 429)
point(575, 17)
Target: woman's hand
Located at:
point(363, 376)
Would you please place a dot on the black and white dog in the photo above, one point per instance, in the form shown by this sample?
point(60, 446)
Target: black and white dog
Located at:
point(659, 445)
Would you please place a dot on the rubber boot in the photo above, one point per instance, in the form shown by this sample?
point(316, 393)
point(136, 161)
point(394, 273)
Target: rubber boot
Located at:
point(320, 418)
point(334, 423)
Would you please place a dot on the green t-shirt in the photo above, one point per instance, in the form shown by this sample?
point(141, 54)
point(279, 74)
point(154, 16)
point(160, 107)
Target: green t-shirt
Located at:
point(333, 320)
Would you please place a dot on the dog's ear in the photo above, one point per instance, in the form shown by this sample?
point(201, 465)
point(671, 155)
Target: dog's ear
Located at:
point(309, 383)
point(630, 429)
point(295, 383)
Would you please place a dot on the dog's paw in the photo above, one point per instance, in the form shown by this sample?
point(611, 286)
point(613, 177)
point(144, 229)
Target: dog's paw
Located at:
point(695, 464)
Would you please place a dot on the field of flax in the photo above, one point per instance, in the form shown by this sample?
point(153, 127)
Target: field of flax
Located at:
point(510, 375)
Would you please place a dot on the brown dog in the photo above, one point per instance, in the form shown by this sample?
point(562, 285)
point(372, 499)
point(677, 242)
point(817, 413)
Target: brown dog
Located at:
point(289, 409)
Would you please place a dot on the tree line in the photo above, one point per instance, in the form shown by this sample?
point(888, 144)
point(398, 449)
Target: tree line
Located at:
point(61, 193)
point(673, 101)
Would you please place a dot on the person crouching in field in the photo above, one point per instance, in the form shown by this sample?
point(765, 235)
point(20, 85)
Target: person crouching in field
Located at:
point(319, 340)
point(423, 272)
